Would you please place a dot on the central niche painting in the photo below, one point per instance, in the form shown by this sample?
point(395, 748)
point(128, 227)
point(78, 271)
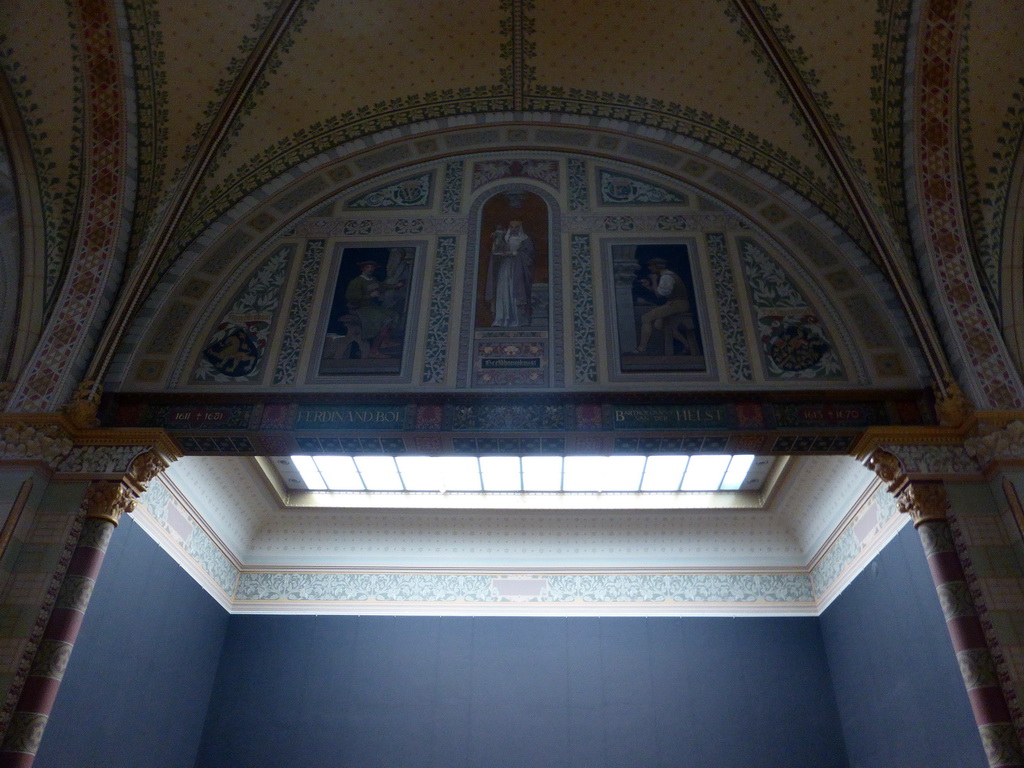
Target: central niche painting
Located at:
point(512, 314)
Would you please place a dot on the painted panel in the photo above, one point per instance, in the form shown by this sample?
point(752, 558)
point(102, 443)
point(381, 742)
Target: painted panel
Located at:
point(795, 343)
point(511, 343)
point(366, 325)
point(657, 321)
point(237, 346)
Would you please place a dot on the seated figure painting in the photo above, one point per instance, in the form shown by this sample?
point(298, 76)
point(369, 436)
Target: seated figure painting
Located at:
point(366, 323)
point(658, 323)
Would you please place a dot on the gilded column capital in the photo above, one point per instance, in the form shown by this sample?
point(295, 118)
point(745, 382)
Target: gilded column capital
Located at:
point(924, 501)
point(108, 500)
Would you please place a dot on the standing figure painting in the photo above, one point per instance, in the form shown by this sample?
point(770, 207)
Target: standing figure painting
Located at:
point(364, 298)
point(511, 326)
point(510, 277)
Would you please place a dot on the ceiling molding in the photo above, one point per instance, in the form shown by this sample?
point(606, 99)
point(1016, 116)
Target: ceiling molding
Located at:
point(203, 156)
point(893, 260)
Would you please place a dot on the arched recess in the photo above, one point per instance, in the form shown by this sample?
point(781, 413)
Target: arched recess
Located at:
point(22, 244)
point(719, 202)
point(536, 329)
point(1012, 271)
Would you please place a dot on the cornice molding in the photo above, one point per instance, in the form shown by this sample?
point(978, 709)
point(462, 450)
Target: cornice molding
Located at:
point(82, 454)
point(959, 452)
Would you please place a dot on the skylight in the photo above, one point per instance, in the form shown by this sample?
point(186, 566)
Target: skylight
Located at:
point(525, 474)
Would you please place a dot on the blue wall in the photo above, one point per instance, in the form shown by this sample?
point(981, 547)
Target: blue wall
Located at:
point(162, 678)
point(139, 680)
point(896, 679)
point(417, 691)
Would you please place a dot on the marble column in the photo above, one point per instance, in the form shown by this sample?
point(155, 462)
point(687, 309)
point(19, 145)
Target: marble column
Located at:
point(105, 501)
point(927, 504)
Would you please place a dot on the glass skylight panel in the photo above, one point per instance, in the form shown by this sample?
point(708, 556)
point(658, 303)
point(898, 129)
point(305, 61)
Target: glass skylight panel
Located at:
point(379, 473)
point(664, 473)
point(542, 473)
point(419, 473)
point(339, 472)
point(501, 473)
point(623, 473)
point(705, 473)
point(584, 473)
point(309, 473)
point(458, 473)
point(531, 474)
point(737, 472)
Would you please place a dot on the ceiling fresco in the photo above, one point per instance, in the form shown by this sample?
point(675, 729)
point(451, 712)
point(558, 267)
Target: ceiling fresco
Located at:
point(185, 60)
point(992, 125)
point(598, 204)
point(855, 71)
point(228, 103)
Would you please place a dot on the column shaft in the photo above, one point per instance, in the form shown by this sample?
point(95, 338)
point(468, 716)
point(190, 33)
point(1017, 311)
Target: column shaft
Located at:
point(991, 713)
point(25, 730)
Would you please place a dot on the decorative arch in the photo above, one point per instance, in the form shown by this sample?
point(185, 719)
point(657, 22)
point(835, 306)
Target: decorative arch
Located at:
point(722, 195)
point(22, 244)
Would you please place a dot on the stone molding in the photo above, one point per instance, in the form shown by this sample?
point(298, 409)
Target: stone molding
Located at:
point(948, 452)
point(74, 453)
point(1004, 444)
point(48, 443)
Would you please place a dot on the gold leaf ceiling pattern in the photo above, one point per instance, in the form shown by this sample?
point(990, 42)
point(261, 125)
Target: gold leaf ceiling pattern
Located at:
point(688, 53)
point(342, 69)
point(195, 46)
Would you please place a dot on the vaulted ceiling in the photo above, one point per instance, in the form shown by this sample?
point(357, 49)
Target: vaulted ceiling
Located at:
point(226, 96)
point(144, 139)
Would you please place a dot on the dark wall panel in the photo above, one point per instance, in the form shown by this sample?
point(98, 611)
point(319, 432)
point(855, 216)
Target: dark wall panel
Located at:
point(419, 692)
point(137, 687)
point(896, 679)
